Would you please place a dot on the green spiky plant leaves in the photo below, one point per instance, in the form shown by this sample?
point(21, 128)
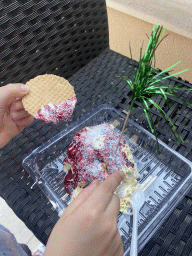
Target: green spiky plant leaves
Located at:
point(147, 83)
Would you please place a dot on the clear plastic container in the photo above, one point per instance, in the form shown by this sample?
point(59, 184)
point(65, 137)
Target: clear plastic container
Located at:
point(169, 172)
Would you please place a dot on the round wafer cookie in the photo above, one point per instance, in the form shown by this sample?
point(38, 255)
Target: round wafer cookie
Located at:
point(45, 89)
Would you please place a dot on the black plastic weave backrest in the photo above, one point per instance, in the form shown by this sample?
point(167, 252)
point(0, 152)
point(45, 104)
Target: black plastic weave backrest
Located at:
point(49, 36)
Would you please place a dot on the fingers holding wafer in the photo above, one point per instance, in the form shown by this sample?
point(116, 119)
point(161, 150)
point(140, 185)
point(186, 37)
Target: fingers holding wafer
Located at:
point(17, 110)
point(26, 121)
point(17, 104)
point(17, 115)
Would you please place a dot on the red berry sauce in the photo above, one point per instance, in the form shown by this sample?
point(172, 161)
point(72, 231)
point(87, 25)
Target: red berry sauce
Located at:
point(55, 113)
point(92, 156)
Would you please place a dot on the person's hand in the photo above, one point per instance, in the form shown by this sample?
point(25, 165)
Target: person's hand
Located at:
point(88, 226)
point(13, 117)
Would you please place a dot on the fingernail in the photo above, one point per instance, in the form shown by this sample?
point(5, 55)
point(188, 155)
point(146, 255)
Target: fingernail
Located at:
point(24, 87)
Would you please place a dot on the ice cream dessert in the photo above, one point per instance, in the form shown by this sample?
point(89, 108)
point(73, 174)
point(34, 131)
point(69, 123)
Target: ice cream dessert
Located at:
point(91, 155)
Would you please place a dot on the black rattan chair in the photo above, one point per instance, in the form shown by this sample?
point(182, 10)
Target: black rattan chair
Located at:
point(70, 39)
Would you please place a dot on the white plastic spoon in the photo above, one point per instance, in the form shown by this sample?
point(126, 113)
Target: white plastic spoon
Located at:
point(137, 202)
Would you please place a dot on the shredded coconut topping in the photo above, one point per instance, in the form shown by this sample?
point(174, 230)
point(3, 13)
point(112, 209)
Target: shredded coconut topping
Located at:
point(55, 113)
point(91, 156)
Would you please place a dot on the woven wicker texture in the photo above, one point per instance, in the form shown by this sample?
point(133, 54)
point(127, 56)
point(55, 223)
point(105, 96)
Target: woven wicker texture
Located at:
point(55, 37)
point(95, 84)
point(175, 235)
point(46, 89)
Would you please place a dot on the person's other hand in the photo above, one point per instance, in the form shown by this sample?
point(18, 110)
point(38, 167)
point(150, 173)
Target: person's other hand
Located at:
point(13, 117)
point(88, 226)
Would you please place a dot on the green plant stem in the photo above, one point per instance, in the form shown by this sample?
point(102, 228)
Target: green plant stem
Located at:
point(122, 130)
point(125, 124)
